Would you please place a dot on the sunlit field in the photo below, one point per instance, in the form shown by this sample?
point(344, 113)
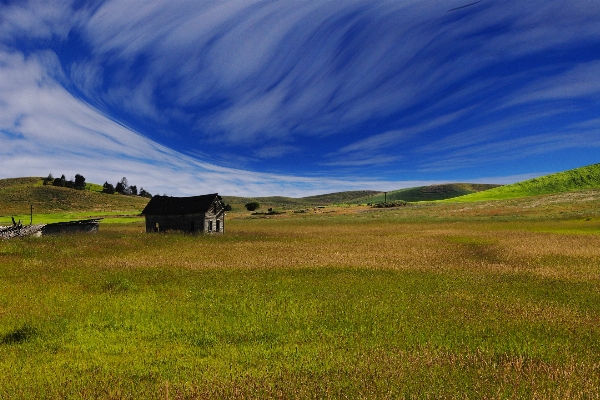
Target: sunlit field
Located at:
point(490, 300)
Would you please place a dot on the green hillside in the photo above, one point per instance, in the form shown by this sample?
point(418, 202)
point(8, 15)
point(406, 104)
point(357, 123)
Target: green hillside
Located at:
point(350, 197)
point(421, 193)
point(575, 179)
point(431, 192)
point(18, 194)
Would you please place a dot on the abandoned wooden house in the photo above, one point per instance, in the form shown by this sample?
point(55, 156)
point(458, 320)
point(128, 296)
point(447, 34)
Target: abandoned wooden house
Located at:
point(195, 214)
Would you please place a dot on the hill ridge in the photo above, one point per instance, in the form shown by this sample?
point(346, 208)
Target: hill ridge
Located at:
point(587, 177)
point(18, 194)
point(434, 192)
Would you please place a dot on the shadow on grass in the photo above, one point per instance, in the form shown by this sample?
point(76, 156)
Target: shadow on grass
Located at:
point(19, 335)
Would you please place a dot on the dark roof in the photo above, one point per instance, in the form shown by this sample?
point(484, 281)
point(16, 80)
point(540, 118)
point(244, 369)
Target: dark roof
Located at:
point(166, 205)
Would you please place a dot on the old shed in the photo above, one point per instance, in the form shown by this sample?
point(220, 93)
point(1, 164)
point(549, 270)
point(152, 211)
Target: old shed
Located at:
point(195, 214)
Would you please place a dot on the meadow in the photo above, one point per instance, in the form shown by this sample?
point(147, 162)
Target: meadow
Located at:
point(479, 300)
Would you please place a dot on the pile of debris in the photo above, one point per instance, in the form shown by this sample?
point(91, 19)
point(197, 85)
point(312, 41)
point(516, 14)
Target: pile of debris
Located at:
point(18, 230)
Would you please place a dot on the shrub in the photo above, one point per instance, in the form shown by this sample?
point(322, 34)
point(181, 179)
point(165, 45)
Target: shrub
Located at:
point(252, 206)
point(397, 203)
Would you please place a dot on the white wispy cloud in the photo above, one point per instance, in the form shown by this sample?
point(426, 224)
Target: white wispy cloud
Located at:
point(509, 150)
point(580, 81)
point(44, 129)
point(435, 89)
point(37, 19)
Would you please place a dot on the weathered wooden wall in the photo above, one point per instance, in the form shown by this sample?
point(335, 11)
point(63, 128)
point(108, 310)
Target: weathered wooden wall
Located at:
point(194, 223)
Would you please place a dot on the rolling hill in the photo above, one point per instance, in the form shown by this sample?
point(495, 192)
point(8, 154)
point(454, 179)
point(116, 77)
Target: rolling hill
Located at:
point(350, 197)
point(431, 192)
point(421, 193)
point(587, 177)
point(18, 194)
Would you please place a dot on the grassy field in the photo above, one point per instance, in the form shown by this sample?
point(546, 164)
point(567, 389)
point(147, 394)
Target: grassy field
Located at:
point(480, 300)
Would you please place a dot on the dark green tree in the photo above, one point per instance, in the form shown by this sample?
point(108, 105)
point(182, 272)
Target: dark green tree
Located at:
point(79, 182)
point(108, 188)
point(123, 187)
point(144, 193)
point(252, 206)
point(61, 182)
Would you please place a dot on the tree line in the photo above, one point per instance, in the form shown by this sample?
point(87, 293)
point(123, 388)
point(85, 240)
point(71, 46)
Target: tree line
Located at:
point(121, 187)
point(78, 183)
point(124, 188)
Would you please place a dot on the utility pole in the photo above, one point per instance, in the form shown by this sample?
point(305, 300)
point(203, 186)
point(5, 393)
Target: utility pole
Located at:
point(31, 215)
point(385, 197)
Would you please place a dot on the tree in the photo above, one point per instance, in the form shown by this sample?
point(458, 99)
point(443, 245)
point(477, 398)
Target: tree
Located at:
point(227, 207)
point(144, 193)
point(123, 187)
point(133, 190)
point(48, 180)
point(61, 182)
point(108, 188)
point(252, 206)
point(79, 182)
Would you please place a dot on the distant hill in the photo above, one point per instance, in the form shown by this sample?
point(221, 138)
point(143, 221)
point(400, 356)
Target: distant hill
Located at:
point(17, 194)
point(575, 179)
point(421, 193)
point(350, 197)
point(431, 192)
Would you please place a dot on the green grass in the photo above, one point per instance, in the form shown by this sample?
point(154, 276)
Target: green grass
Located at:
point(435, 301)
point(94, 187)
point(576, 179)
point(429, 193)
point(321, 331)
point(49, 218)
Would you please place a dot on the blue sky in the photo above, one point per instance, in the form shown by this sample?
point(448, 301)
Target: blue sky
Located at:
point(298, 97)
